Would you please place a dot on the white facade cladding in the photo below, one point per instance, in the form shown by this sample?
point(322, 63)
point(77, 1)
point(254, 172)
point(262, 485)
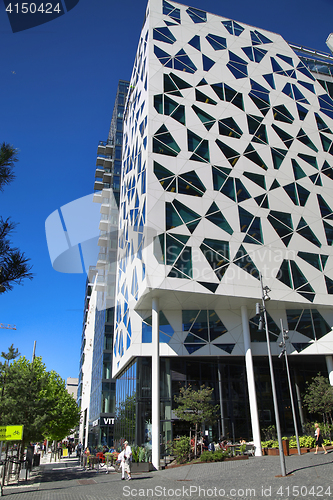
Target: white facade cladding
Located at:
point(86, 358)
point(227, 173)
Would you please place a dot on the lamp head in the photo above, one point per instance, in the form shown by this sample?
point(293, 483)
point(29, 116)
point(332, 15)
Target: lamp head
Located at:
point(266, 290)
point(261, 324)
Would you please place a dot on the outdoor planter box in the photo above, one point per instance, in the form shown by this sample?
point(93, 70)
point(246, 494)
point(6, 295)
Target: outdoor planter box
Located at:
point(141, 467)
point(273, 451)
point(293, 451)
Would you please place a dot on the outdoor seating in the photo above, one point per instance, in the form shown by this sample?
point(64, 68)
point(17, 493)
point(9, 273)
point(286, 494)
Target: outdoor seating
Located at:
point(101, 457)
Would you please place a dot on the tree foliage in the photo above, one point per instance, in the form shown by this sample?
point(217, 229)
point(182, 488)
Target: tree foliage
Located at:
point(14, 265)
point(8, 156)
point(38, 399)
point(319, 397)
point(195, 406)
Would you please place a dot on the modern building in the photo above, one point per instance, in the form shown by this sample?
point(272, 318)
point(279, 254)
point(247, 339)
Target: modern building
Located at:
point(72, 386)
point(227, 175)
point(86, 355)
point(97, 388)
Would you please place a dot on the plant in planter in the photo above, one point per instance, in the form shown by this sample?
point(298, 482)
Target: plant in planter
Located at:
point(241, 449)
point(141, 459)
point(182, 449)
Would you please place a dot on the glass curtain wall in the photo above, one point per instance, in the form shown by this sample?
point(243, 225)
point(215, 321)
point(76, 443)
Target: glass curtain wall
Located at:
point(133, 415)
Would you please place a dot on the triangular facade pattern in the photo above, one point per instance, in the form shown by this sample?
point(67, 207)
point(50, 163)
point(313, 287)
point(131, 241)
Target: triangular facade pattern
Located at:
point(227, 172)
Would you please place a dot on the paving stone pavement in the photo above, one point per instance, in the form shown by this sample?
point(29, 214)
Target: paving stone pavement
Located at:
point(309, 477)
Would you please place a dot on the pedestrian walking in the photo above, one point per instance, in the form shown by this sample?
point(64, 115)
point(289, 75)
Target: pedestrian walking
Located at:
point(319, 439)
point(125, 459)
point(128, 459)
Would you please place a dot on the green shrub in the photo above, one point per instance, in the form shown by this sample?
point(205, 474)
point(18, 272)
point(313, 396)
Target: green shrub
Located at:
point(207, 456)
point(304, 442)
point(267, 444)
point(215, 456)
point(181, 449)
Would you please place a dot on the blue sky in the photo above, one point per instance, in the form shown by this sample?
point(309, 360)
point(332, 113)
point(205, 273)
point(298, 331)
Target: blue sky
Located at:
point(58, 83)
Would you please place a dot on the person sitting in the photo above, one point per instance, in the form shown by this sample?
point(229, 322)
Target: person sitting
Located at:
point(211, 447)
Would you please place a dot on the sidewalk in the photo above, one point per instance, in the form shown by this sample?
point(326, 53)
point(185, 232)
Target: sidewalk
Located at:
point(309, 477)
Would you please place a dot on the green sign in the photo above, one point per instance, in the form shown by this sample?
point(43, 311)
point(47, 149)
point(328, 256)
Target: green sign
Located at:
point(11, 433)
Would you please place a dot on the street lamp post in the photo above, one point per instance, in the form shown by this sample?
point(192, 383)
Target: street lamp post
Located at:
point(284, 351)
point(265, 290)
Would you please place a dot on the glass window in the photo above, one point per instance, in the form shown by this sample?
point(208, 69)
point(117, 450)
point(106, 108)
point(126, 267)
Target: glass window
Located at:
point(260, 335)
point(197, 16)
point(219, 219)
point(206, 119)
point(231, 155)
point(146, 330)
point(220, 174)
point(119, 138)
point(116, 182)
point(207, 63)
point(302, 137)
point(172, 217)
point(278, 156)
point(118, 152)
point(163, 35)
point(307, 233)
point(182, 62)
point(257, 178)
point(201, 97)
point(164, 143)
point(195, 42)
point(252, 155)
point(217, 42)
point(184, 262)
point(243, 260)
point(173, 249)
point(233, 27)
point(117, 167)
point(228, 127)
point(185, 213)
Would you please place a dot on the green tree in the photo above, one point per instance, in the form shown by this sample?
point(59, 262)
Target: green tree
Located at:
point(319, 398)
point(195, 407)
point(37, 399)
point(14, 265)
point(64, 413)
point(8, 156)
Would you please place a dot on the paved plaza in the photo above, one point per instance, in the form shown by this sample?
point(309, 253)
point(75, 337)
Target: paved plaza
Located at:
point(309, 477)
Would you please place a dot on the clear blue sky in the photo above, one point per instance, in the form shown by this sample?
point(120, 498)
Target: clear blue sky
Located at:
point(58, 84)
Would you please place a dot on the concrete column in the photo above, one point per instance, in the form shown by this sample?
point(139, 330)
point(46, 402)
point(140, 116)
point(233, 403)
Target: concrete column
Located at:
point(250, 382)
point(329, 364)
point(155, 385)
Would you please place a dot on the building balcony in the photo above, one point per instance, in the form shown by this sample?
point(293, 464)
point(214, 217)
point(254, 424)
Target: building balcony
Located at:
point(105, 149)
point(98, 198)
point(105, 208)
point(99, 173)
point(98, 185)
point(104, 225)
point(101, 264)
point(107, 176)
point(103, 240)
point(101, 287)
point(100, 161)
